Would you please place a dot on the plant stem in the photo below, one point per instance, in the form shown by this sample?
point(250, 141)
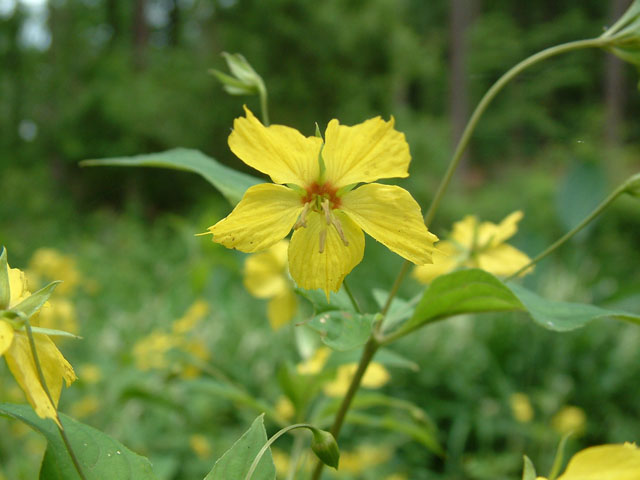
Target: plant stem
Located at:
point(354, 302)
point(367, 355)
point(486, 100)
point(473, 122)
point(43, 382)
point(264, 448)
point(599, 209)
point(264, 104)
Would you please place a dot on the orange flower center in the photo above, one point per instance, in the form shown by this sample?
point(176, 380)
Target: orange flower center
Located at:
point(316, 194)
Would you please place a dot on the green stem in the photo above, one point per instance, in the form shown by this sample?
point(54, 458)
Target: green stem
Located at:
point(354, 302)
point(599, 209)
point(264, 104)
point(486, 100)
point(264, 448)
point(43, 382)
point(473, 122)
point(367, 355)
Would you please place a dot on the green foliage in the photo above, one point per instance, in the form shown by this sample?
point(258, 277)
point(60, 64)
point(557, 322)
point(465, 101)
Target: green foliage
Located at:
point(231, 183)
point(99, 455)
point(343, 330)
point(236, 461)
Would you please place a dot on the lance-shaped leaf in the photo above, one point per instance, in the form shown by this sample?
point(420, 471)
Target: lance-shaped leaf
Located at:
point(99, 455)
point(230, 183)
point(236, 461)
point(35, 301)
point(476, 291)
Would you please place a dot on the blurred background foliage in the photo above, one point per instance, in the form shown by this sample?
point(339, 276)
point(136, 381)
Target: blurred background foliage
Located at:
point(103, 78)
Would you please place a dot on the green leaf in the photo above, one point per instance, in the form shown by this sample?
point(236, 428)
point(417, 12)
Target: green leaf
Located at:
point(417, 431)
point(384, 356)
point(399, 310)
point(99, 455)
point(528, 470)
point(5, 293)
point(464, 291)
point(318, 299)
point(564, 316)
point(477, 291)
point(35, 301)
point(343, 330)
point(236, 461)
point(231, 183)
point(54, 333)
point(559, 458)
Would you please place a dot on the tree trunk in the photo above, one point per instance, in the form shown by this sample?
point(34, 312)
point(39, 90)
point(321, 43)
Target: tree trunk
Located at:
point(140, 33)
point(614, 91)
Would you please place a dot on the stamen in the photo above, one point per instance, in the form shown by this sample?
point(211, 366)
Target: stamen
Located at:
point(338, 225)
point(323, 239)
point(327, 210)
point(302, 221)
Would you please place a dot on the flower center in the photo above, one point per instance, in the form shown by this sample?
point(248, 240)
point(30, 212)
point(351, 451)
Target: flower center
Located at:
point(322, 199)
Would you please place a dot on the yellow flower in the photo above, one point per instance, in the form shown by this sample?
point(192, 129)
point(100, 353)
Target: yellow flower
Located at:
point(14, 345)
point(90, 373)
point(191, 317)
point(363, 458)
point(314, 364)
point(87, 405)
point(521, 407)
point(53, 265)
point(477, 245)
point(604, 462)
point(284, 408)
point(59, 314)
point(266, 276)
point(376, 376)
point(150, 352)
point(314, 193)
point(201, 445)
point(569, 419)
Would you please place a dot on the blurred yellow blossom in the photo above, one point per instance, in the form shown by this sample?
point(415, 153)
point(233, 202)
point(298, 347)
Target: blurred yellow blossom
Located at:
point(201, 445)
point(90, 373)
point(477, 245)
point(281, 460)
point(316, 193)
point(197, 350)
point(15, 347)
point(375, 377)
point(364, 458)
point(314, 364)
point(59, 314)
point(521, 407)
point(604, 462)
point(87, 405)
point(266, 275)
point(397, 476)
point(569, 419)
point(284, 408)
point(150, 352)
point(195, 313)
point(53, 265)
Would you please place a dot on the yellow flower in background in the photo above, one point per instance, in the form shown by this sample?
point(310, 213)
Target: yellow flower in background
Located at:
point(201, 446)
point(266, 276)
point(53, 265)
point(14, 346)
point(314, 364)
point(604, 462)
point(284, 408)
point(150, 352)
point(90, 373)
point(315, 193)
point(376, 376)
point(87, 405)
point(365, 457)
point(569, 419)
point(196, 312)
point(477, 245)
point(521, 407)
point(59, 314)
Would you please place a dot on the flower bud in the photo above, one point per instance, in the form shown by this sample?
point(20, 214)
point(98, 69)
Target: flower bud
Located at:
point(244, 80)
point(633, 185)
point(623, 38)
point(325, 447)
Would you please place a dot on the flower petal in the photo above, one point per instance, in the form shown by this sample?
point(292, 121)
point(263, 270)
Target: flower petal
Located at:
point(604, 462)
point(54, 367)
point(491, 234)
point(6, 336)
point(265, 272)
point(365, 152)
point(502, 260)
point(281, 152)
point(312, 269)
point(265, 215)
point(282, 308)
point(391, 215)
